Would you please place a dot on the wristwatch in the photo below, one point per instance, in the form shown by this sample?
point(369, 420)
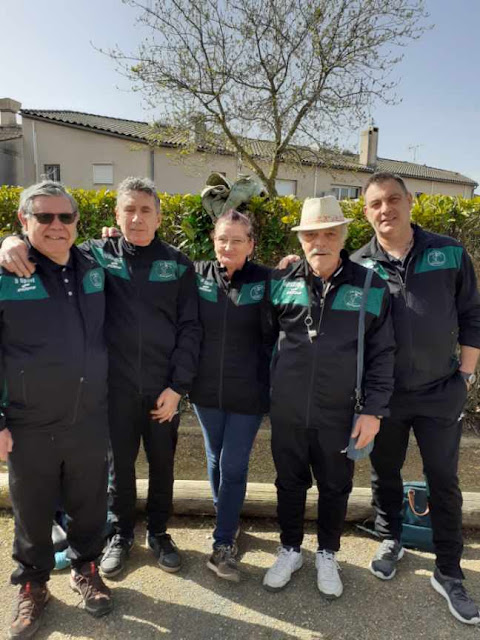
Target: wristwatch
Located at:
point(470, 378)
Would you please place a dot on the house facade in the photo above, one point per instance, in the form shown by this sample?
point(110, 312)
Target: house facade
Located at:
point(92, 152)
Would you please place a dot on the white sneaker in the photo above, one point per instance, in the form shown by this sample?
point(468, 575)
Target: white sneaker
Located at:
point(328, 579)
point(278, 576)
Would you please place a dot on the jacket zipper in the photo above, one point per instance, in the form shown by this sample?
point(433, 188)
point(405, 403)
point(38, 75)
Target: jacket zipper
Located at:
point(77, 401)
point(403, 288)
point(24, 388)
point(140, 333)
point(314, 363)
point(222, 351)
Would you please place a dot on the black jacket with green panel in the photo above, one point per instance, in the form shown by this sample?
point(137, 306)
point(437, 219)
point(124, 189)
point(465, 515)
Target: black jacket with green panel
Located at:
point(152, 325)
point(54, 356)
point(435, 307)
point(233, 373)
point(314, 368)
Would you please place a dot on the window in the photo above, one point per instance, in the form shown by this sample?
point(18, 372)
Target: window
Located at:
point(286, 187)
point(345, 193)
point(102, 174)
point(52, 172)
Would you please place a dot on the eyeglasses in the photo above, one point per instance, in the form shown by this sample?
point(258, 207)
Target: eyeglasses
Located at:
point(47, 218)
point(235, 242)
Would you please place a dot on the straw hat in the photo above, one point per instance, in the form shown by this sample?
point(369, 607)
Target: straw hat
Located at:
point(321, 213)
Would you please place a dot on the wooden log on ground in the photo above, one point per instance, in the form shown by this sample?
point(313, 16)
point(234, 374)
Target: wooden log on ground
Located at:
point(193, 497)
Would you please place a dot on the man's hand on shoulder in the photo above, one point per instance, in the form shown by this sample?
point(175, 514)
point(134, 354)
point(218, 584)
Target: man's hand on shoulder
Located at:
point(288, 260)
point(111, 232)
point(14, 257)
point(6, 444)
point(167, 406)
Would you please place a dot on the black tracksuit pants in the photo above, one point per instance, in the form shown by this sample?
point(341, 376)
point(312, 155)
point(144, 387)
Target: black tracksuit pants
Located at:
point(129, 417)
point(439, 442)
point(48, 467)
point(296, 454)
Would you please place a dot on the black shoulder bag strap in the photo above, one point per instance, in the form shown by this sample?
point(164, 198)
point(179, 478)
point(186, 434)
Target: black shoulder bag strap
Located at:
point(361, 341)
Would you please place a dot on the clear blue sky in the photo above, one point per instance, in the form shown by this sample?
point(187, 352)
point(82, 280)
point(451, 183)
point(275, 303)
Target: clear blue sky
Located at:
point(48, 62)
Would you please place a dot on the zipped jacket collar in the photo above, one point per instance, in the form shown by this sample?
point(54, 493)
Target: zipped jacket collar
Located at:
point(421, 240)
point(302, 269)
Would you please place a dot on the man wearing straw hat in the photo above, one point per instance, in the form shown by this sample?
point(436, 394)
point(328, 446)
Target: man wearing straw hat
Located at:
point(314, 306)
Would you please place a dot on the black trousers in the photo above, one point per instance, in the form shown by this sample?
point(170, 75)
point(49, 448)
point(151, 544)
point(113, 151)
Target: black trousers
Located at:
point(439, 441)
point(129, 417)
point(296, 454)
point(46, 467)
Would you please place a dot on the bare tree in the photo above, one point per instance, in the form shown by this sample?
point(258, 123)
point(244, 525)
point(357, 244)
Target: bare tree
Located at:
point(292, 71)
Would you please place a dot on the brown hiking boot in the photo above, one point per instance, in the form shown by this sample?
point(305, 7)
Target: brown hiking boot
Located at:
point(96, 595)
point(31, 601)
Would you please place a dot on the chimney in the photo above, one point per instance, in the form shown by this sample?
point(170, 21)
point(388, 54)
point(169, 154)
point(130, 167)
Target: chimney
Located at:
point(369, 146)
point(199, 132)
point(8, 112)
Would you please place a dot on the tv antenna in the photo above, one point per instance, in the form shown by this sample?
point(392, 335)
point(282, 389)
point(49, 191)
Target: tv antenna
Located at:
point(413, 148)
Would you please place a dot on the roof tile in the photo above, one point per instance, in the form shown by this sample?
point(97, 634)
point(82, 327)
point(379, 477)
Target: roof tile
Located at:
point(169, 136)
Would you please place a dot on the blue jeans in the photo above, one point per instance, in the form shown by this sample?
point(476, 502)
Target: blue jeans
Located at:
point(229, 439)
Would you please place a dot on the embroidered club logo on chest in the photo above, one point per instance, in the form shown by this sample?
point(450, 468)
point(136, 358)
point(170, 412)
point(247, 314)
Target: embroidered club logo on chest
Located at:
point(93, 281)
point(436, 258)
point(251, 293)
point(353, 299)
point(165, 271)
point(349, 298)
point(439, 258)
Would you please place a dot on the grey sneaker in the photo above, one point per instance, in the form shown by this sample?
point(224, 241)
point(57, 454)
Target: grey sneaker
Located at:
point(115, 556)
point(223, 563)
point(461, 606)
point(165, 551)
point(384, 564)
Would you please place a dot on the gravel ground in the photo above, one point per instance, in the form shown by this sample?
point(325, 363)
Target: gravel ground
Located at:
point(195, 604)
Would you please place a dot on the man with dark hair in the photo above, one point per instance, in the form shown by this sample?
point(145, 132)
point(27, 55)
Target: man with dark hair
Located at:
point(54, 432)
point(436, 305)
point(153, 336)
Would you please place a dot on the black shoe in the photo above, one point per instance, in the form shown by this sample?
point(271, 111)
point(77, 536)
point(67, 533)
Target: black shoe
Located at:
point(223, 563)
point(115, 556)
point(384, 564)
point(165, 551)
point(96, 596)
point(459, 602)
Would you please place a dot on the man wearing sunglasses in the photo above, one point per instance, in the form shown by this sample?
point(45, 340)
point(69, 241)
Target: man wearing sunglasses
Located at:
point(153, 336)
point(54, 429)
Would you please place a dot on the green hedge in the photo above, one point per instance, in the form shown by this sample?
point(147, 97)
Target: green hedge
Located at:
point(188, 227)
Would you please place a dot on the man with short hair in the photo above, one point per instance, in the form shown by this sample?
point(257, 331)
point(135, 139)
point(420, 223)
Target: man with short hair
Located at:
point(435, 305)
point(315, 307)
point(153, 336)
point(54, 430)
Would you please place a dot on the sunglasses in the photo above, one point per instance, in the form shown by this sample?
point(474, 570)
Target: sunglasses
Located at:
point(47, 218)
